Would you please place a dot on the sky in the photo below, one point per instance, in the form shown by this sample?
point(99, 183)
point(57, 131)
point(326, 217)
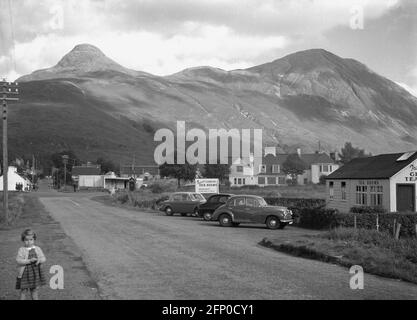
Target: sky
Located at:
point(163, 37)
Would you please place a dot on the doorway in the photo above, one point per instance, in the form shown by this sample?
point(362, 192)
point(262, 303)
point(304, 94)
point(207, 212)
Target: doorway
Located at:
point(405, 197)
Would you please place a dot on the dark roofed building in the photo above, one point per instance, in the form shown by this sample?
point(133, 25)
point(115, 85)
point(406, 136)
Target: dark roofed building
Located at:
point(92, 170)
point(387, 181)
point(317, 164)
point(141, 171)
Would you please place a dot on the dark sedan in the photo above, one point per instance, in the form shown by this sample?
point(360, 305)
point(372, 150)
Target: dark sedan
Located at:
point(252, 209)
point(207, 209)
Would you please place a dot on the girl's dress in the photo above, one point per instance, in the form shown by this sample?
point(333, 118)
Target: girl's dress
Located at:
point(33, 276)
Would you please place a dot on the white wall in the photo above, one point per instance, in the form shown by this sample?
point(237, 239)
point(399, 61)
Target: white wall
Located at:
point(408, 175)
point(12, 179)
point(91, 181)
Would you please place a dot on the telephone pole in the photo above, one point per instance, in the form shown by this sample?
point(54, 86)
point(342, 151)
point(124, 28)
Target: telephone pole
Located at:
point(65, 160)
point(8, 89)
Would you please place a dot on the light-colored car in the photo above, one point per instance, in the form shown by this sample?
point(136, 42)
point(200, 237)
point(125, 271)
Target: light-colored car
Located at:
point(252, 209)
point(183, 203)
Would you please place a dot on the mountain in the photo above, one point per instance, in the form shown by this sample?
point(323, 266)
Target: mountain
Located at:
point(95, 106)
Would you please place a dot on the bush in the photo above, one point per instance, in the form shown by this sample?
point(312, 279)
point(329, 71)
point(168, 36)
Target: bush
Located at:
point(365, 209)
point(322, 179)
point(122, 198)
point(320, 218)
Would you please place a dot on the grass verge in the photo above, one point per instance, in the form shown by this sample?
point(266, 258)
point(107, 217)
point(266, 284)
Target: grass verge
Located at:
point(376, 252)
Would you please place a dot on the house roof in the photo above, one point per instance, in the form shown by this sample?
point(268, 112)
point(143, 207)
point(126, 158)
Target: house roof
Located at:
point(139, 169)
point(307, 158)
point(86, 171)
point(383, 166)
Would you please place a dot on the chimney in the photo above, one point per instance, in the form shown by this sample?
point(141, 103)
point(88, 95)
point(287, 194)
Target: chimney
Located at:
point(271, 150)
point(299, 152)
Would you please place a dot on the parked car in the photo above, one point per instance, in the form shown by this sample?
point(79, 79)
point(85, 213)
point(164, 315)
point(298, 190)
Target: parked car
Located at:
point(207, 209)
point(252, 209)
point(182, 203)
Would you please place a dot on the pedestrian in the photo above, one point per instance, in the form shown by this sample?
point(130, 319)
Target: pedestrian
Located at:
point(75, 187)
point(30, 273)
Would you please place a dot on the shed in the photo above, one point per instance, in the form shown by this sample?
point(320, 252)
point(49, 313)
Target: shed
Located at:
point(387, 181)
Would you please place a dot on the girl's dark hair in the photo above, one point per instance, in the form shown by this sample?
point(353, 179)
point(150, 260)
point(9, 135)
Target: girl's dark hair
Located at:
point(28, 232)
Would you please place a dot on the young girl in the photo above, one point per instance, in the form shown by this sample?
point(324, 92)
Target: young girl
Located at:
point(30, 273)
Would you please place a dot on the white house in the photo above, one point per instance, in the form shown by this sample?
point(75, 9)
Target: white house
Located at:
point(243, 172)
point(387, 181)
point(13, 179)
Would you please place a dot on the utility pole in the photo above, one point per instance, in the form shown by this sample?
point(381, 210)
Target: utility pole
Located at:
point(65, 160)
point(8, 88)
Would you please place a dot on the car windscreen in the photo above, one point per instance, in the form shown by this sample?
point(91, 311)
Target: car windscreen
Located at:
point(198, 196)
point(262, 202)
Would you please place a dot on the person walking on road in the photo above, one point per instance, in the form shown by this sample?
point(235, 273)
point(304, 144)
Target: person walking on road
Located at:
point(30, 273)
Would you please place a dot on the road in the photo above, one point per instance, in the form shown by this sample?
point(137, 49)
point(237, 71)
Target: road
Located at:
point(147, 255)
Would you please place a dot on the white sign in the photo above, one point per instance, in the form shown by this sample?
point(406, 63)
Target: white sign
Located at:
point(207, 185)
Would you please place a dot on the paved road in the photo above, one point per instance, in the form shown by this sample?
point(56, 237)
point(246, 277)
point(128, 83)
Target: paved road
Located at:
point(144, 255)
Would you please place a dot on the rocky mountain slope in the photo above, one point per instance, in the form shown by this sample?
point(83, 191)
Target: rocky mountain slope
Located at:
point(95, 106)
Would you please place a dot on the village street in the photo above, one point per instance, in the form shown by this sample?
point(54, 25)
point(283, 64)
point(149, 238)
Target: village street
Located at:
point(147, 255)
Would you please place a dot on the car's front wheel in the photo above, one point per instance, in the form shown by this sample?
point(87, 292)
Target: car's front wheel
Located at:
point(272, 223)
point(168, 211)
point(225, 220)
point(207, 216)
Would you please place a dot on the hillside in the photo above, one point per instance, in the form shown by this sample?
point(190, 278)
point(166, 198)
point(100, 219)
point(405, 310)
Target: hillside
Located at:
point(97, 107)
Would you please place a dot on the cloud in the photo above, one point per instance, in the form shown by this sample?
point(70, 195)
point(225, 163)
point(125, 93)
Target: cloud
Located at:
point(166, 36)
point(411, 90)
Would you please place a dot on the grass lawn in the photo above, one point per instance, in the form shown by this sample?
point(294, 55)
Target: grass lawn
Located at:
point(16, 203)
point(377, 252)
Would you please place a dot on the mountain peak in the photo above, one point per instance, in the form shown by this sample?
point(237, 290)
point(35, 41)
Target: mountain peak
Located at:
point(86, 57)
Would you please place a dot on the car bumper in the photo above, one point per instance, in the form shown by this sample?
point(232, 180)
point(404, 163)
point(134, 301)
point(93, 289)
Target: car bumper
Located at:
point(287, 221)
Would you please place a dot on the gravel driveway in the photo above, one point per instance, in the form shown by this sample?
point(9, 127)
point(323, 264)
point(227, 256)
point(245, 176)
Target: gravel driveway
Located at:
point(145, 255)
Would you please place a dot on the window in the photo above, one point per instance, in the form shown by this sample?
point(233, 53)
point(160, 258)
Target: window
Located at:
point(235, 180)
point(362, 195)
point(223, 199)
point(281, 180)
point(250, 202)
point(343, 187)
point(244, 181)
point(261, 180)
point(198, 196)
point(331, 189)
point(376, 195)
point(275, 168)
point(239, 169)
point(176, 197)
point(239, 181)
point(272, 180)
point(262, 168)
point(239, 202)
point(213, 199)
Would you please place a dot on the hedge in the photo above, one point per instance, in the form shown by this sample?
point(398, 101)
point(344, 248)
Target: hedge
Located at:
point(320, 218)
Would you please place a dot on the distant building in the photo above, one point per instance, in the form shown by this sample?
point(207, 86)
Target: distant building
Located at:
point(14, 179)
point(243, 172)
point(146, 172)
point(88, 176)
point(387, 181)
point(317, 165)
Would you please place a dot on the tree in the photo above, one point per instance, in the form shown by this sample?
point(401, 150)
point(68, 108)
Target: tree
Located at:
point(216, 171)
point(106, 165)
point(58, 164)
point(293, 166)
point(178, 171)
point(348, 153)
